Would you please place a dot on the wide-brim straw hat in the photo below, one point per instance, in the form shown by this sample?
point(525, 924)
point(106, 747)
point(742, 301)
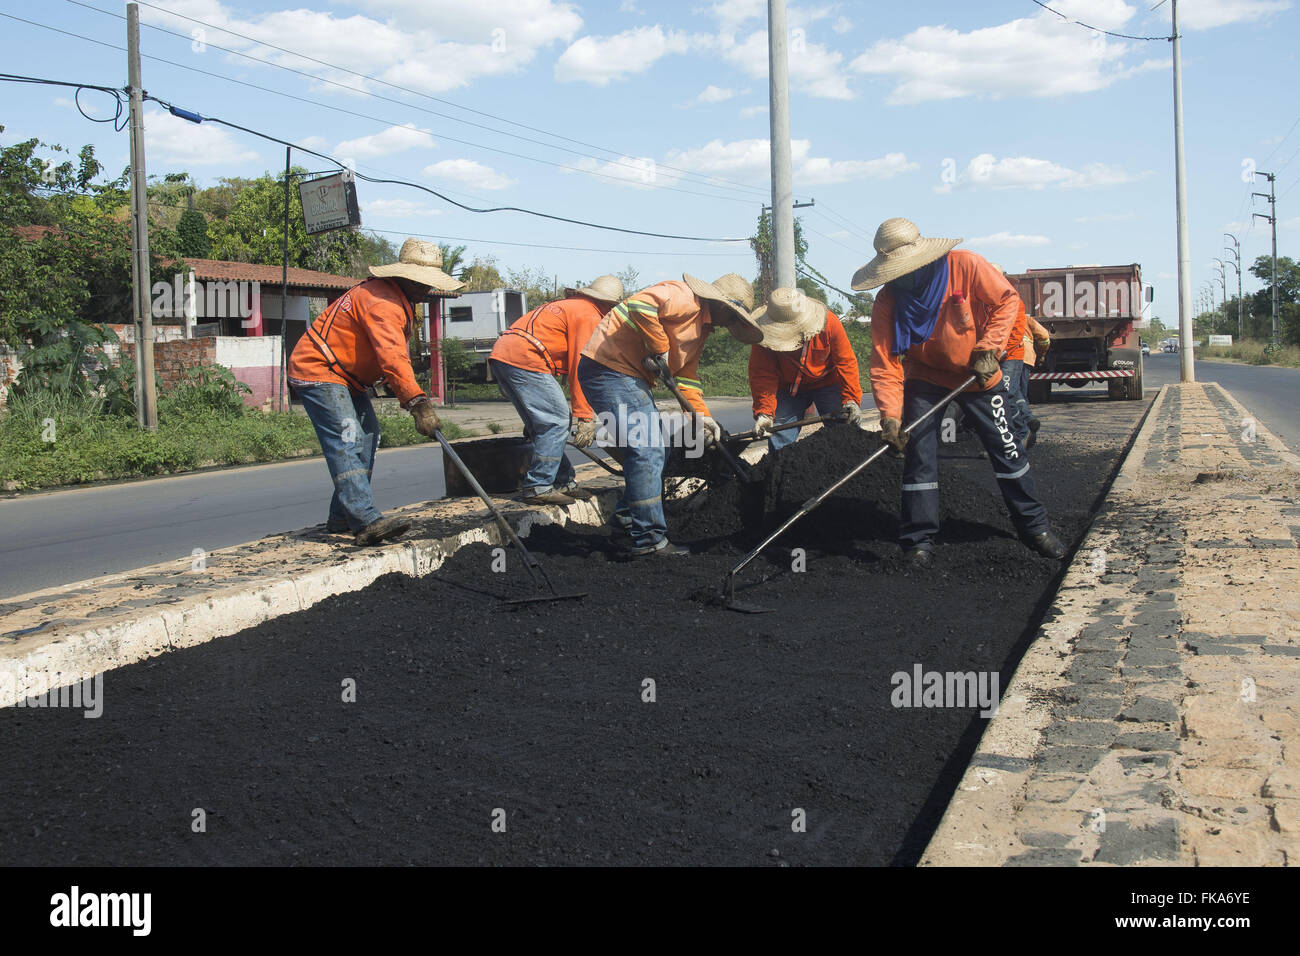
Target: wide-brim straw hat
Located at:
point(790, 319)
point(735, 293)
point(420, 262)
point(606, 289)
point(900, 249)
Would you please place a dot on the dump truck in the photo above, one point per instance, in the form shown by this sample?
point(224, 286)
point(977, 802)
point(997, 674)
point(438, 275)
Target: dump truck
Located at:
point(1093, 314)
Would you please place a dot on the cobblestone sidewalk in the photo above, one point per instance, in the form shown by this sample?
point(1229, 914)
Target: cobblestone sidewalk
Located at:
point(1156, 718)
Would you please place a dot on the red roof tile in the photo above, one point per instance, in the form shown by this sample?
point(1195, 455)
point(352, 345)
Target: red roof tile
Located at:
point(222, 271)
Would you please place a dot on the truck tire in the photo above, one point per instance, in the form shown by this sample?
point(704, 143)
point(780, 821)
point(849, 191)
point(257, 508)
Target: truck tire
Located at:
point(1040, 393)
point(1134, 385)
point(1117, 388)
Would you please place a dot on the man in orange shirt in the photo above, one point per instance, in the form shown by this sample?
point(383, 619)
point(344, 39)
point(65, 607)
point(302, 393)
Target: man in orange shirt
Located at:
point(361, 339)
point(804, 358)
point(525, 361)
point(668, 321)
point(949, 312)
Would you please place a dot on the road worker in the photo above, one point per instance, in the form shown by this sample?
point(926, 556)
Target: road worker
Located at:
point(667, 322)
point(1023, 420)
point(525, 361)
point(805, 359)
point(359, 341)
point(948, 312)
point(1036, 341)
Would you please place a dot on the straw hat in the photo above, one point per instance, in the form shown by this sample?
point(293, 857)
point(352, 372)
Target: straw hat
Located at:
point(420, 262)
point(900, 249)
point(790, 319)
point(737, 294)
point(605, 289)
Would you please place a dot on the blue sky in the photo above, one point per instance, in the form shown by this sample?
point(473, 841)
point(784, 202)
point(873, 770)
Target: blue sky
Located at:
point(1040, 142)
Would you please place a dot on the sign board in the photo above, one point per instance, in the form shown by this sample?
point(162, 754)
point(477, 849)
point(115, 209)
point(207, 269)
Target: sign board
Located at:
point(329, 202)
point(1220, 339)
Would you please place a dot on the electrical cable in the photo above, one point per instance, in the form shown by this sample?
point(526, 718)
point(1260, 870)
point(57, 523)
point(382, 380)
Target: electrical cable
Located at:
point(1109, 33)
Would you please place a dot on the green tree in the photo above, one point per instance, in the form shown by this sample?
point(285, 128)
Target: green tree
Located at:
point(453, 258)
point(482, 275)
point(1260, 305)
point(192, 235)
point(762, 245)
point(631, 279)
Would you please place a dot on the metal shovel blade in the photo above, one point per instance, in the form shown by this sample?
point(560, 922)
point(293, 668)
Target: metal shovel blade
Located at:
point(544, 598)
point(731, 603)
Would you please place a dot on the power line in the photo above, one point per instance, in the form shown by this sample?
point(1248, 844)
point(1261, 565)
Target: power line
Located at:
point(820, 279)
point(1109, 33)
point(705, 178)
point(535, 245)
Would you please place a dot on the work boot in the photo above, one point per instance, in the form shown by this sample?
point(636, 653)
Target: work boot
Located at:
point(546, 496)
point(381, 530)
point(1047, 544)
point(664, 548)
point(919, 557)
point(337, 527)
point(1032, 438)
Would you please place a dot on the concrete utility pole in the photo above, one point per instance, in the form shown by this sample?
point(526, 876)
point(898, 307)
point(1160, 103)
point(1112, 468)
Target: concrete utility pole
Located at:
point(1186, 363)
point(1235, 249)
point(1223, 283)
point(146, 398)
point(1271, 196)
point(778, 83)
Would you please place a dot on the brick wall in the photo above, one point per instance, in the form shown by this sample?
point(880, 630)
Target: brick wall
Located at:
point(171, 359)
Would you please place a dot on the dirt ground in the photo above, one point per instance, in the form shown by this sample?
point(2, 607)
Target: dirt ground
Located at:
point(469, 714)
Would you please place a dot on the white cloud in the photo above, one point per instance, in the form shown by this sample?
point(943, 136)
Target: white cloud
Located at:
point(469, 173)
point(397, 209)
point(395, 139)
point(1207, 14)
point(714, 94)
point(429, 45)
point(195, 144)
point(1038, 56)
point(749, 111)
point(986, 171)
point(601, 60)
point(842, 25)
point(313, 142)
point(1010, 240)
point(815, 69)
point(641, 172)
point(750, 159)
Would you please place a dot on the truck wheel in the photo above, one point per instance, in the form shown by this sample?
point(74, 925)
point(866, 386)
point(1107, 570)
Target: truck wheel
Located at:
point(1134, 389)
point(1040, 393)
point(1117, 388)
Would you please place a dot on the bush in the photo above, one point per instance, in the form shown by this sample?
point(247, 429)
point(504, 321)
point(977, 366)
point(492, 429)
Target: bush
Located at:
point(205, 388)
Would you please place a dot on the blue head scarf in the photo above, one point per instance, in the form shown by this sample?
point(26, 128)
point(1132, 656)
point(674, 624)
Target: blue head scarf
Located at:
point(917, 298)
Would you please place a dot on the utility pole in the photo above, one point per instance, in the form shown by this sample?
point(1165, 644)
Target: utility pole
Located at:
point(146, 398)
point(778, 84)
point(1271, 196)
point(1186, 364)
point(1223, 284)
point(1235, 249)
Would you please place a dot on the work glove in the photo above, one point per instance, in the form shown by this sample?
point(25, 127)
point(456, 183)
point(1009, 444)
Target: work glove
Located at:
point(585, 433)
point(711, 430)
point(763, 426)
point(1041, 344)
point(984, 363)
point(891, 430)
point(426, 419)
point(852, 413)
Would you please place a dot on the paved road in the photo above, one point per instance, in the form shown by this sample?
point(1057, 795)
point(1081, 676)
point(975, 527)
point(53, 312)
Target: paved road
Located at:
point(63, 536)
point(1272, 394)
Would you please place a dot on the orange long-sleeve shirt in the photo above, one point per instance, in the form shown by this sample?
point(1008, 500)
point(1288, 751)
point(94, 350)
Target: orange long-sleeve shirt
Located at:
point(978, 311)
point(1016, 341)
point(666, 317)
point(1033, 331)
point(366, 329)
point(827, 359)
point(556, 332)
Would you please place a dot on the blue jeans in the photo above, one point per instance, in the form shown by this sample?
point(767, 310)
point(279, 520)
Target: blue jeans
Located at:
point(540, 402)
point(1013, 370)
point(348, 430)
point(626, 404)
point(790, 408)
point(989, 413)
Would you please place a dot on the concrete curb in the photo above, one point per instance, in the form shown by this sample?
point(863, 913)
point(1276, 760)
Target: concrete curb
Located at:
point(38, 663)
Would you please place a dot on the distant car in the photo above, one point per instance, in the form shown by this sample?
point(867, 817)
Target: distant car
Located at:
point(1146, 349)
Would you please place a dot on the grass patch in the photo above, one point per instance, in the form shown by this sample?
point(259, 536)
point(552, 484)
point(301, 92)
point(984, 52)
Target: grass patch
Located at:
point(46, 448)
point(1253, 353)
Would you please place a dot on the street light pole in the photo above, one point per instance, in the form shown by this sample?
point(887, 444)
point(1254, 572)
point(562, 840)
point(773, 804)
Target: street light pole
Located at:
point(1271, 196)
point(146, 398)
point(1186, 364)
point(778, 81)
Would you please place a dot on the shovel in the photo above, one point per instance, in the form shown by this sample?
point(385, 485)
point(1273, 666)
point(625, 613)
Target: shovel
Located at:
point(753, 436)
point(655, 366)
point(598, 460)
point(531, 563)
point(729, 582)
